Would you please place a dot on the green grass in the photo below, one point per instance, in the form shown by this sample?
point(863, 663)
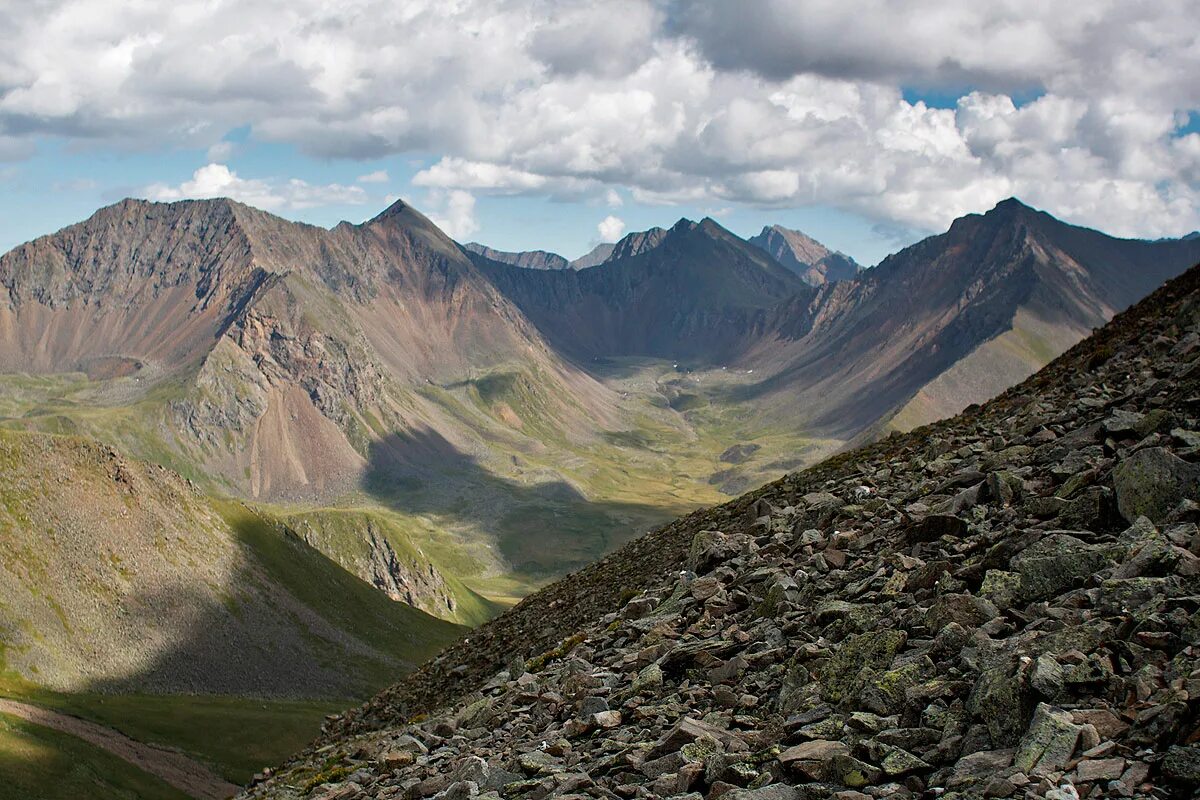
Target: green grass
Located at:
point(341, 533)
point(236, 736)
point(345, 601)
point(37, 763)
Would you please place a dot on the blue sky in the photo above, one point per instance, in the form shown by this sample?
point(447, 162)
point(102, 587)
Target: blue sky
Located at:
point(526, 124)
point(61, 185)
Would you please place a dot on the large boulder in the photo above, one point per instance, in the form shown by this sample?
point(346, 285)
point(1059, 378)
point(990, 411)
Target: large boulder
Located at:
point(1152, 482)
point(1057, 563)
point(1049, 742)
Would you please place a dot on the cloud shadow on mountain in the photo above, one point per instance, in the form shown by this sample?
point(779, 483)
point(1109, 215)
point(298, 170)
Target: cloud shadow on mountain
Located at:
point(541, 529)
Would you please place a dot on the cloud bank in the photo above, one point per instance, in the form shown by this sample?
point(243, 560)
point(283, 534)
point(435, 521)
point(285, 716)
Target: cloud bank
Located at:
point(1082, 109)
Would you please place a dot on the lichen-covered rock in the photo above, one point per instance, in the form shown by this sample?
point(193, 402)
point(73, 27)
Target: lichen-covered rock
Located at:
point(857, 659)
point(1049, 743)
point(1057, 563)
point(1152, 482)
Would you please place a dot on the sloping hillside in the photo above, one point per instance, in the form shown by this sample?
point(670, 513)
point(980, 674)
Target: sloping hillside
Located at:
point(529, 259)
point(990, 606)
point(118, 575)
point(952, 320)
point(693, 292)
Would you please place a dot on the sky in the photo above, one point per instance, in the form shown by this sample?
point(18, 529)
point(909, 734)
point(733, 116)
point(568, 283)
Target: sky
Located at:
point(558, 124)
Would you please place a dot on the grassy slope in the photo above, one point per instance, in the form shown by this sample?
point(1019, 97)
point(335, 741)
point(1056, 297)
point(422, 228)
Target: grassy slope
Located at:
point(340, 533)
point(347, 602)
point(236, 735)
point(37, 763)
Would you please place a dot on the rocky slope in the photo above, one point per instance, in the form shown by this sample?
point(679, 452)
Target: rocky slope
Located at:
point(529, 259)
point(288, 348)
point(1002, 604)
point(815, 263)
point(597, 255)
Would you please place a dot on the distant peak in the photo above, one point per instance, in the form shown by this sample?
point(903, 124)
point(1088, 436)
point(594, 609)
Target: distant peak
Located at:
point(1011, 204)
point(394, 210)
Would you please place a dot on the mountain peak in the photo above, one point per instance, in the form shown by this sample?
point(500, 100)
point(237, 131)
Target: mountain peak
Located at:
point(396, 209)
point(815, 263)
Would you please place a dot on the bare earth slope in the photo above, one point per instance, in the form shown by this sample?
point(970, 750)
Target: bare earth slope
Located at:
point(991, 606)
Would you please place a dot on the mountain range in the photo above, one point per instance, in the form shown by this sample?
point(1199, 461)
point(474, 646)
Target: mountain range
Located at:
point(998, 605)
point(276, 407)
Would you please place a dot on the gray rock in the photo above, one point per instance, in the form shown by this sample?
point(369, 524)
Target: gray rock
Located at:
point(1049, 743)
point(1152, 482)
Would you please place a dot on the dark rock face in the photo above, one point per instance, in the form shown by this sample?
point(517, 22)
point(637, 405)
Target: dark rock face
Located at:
point(801, 642)
point(694, 291)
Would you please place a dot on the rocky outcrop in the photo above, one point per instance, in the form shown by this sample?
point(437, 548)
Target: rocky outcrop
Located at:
point(972, 610)
point(418, 584)
point(594, 257)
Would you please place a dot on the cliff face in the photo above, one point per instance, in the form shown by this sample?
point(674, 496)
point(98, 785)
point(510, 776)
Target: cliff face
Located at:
point(997, 605)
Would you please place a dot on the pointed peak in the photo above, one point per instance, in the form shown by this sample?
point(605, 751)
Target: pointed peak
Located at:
point(396, 209)
point(1011, 204)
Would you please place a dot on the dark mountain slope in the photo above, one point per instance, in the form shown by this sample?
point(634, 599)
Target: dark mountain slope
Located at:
point(529, 259)
point(986, 607)
point(954, 319)
point(699, 293)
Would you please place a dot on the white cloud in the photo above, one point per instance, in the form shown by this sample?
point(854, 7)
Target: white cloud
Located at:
point(220, 152)
point(465, 174)
point(378, 176)
point(610, 229)
point(454, 213)
point(217, 180)
point(764, 102)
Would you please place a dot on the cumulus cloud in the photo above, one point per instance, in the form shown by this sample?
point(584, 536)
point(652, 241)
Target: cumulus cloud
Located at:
point(772, 103)
point(454, 213)
point(378, 176)
point(217, 180)
point(610, 229)
point(220, 152)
